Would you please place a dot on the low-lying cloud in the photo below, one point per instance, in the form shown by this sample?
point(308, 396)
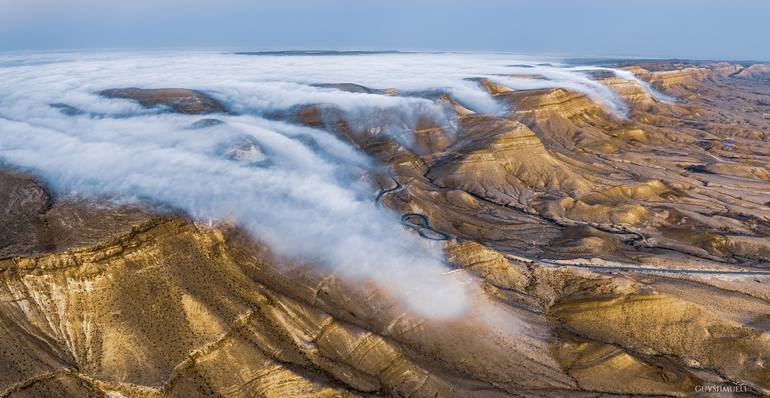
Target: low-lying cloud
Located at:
point(307, 203)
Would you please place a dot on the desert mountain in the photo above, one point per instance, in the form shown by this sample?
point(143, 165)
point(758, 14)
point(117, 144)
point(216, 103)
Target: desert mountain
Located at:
point(605, 254)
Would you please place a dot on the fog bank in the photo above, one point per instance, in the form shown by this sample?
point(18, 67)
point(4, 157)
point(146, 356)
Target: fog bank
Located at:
point(299, 189)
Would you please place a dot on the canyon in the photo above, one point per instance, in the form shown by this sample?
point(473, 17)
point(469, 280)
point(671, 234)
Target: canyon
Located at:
point(599, 251)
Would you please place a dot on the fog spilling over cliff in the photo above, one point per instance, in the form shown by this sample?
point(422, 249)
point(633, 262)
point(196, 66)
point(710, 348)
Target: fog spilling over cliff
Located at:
point(303, 190)
point(361, 224)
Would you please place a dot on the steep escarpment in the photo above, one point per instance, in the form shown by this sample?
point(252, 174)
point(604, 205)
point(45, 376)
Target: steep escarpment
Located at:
point(33, 222)
point(172, 310)
point(20, 225)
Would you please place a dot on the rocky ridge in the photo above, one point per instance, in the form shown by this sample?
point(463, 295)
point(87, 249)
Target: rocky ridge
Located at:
point(632, 254)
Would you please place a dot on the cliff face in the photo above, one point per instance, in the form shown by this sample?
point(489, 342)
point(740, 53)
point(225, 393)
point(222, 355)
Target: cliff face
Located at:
point(609, 255)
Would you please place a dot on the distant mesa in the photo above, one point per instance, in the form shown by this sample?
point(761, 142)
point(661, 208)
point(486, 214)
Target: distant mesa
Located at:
point(349, 87)
point(529, 76)
point(600, 73)
point(316, 53)
point(178, 100)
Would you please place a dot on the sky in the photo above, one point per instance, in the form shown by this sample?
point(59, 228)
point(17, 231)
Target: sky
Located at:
point(704, 29)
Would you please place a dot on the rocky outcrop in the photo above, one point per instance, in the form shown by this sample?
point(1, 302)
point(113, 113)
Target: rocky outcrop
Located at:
point(180, 100)
point(756, 71)
point(24, 200)
point(33, 223)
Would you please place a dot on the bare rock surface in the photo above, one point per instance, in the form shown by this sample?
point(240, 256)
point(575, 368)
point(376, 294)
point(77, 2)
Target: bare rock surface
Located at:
point(23, 201)
point(180, 100)
point(32, 222)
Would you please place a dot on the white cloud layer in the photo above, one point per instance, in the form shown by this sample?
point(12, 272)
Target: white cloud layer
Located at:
point(305, 203)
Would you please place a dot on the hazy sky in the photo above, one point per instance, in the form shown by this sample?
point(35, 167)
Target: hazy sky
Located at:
point(734, 29)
